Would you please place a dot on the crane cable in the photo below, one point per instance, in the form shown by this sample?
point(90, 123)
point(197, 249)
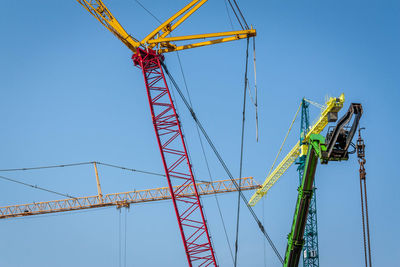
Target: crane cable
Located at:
point(36, 187)
point(246, 26)
point(78, 164)
point(255, 99)
point(241, 151)
point(206, 161)
point(222, 162)
point(364, 204)
point(241, 14)
point(284, 140)
point(119, 239)
point(91, 162)
point(227, 12)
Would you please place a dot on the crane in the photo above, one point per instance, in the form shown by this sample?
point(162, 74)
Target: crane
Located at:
point(332, 107)
point(148, 56)
point(332, 148)
point(123, 199)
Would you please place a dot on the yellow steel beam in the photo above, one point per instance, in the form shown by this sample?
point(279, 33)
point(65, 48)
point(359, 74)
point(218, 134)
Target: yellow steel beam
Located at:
point(184, 17)
point(158, 39)
point(332, 105)
point(171, 47)
point(104, 16)
point(122, 199)
point(166, 27)
point(248, 33)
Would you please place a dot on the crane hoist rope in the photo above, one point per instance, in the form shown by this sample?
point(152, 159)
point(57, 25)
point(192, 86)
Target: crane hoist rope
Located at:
point(360, 147)
point(222, 162)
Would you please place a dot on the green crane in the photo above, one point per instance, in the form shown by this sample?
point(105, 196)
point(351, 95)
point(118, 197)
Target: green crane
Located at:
point(306, 189)
point(333, 148)
point(310, 248)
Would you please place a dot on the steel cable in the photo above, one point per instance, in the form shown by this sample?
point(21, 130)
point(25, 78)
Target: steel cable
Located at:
point(222, 162)
point(241, 14)
point(229, 16)
point(367, 221)
point(206, 160)
point(36, 187)
point(241, 152)
point(234, 12)
point(363, 224)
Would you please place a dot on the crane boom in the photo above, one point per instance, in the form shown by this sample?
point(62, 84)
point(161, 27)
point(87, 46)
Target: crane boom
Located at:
point(157, 39)
point(122, 199)
point(148, 57)
point(333, 148)
point(296, 236)
point(333, 105)
point(104, 16)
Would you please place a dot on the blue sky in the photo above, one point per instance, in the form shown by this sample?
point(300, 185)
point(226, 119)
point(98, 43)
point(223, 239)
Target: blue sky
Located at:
point(69, 93)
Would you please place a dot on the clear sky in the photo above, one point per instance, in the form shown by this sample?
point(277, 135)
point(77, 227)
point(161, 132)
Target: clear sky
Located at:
point(69, 93)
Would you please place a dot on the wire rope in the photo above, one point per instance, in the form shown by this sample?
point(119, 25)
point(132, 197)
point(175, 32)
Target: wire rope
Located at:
point(119, 239)
point(241, 152)
point(47, 167)
point(125, 226)
point(148, 11)
point(91, 162)
point(284, 140)
point(263, 220)
point(227, 12)
point(222, 162)
point(206, 161)
point(36, 187)
point(241, 14)
point(236, 15)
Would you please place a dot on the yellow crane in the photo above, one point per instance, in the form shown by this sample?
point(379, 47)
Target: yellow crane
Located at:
point(332, 107)
point(148, 56)
point(123, 199)
point(159, 39)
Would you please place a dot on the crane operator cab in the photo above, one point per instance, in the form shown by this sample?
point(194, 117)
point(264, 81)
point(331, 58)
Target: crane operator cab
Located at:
point(338, 138)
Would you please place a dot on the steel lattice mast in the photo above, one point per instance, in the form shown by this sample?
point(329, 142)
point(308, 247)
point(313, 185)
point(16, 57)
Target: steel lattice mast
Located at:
point(188, 209)
point(310, 248)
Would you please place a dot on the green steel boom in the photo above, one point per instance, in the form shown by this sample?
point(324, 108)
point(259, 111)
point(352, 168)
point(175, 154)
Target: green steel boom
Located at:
point(296, 236)
point(334, 148)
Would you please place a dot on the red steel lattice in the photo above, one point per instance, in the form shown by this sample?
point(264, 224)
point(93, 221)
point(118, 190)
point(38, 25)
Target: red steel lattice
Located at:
point(188, 209)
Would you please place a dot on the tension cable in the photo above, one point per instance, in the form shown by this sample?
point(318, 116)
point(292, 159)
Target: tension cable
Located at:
point(222, 162)
point(241, 151)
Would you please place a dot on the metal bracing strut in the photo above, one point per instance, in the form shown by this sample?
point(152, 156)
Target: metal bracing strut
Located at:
point(188, 209)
